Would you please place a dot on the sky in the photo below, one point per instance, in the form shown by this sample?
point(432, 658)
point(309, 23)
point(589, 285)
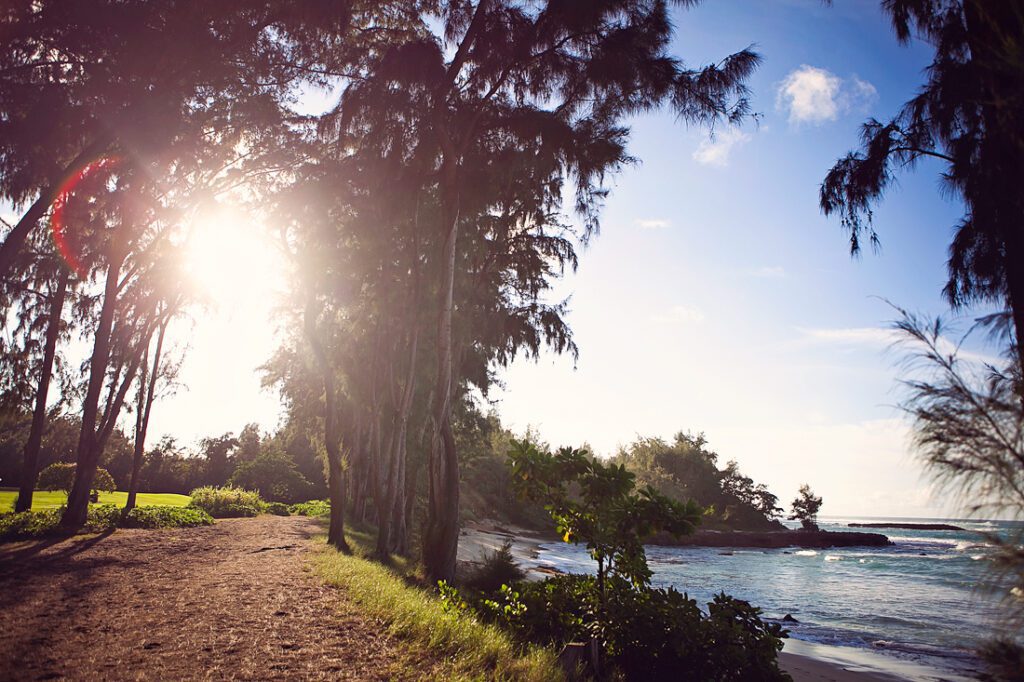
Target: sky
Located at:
point(716, 299)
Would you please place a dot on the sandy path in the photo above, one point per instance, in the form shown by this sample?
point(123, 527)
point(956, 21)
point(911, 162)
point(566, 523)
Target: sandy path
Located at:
point(230, 601)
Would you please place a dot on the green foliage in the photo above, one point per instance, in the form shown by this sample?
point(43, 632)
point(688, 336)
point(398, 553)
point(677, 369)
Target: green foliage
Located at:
point(597, 504)
point(277, 509)
point(61, 476)
point(101, 517)
point(646, 633)
point(274, 476)
point(311, 508)
point(498, 570)
point(227, 502)
point(805, 508)
point(650, 634)
point(166, 517)
point(685, 468)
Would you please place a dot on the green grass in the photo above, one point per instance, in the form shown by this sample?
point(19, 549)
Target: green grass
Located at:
point(48, 499)
point(463, 647)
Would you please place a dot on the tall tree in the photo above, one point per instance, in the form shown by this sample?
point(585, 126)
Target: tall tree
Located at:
point(969, 117)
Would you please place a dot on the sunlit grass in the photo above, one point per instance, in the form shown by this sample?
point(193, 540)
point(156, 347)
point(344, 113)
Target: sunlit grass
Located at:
point(463, 647)
point(47, 499)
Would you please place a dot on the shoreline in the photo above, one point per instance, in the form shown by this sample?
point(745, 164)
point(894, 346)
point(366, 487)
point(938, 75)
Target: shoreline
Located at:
point(804, 660)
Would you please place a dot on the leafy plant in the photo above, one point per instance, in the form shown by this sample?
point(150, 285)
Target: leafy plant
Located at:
point(227, 502)
point(277, 509)
point(166, 517)
point(311, 508)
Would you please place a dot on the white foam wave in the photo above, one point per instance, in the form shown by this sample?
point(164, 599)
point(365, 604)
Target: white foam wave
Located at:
point(833, 557)
point(806, 552)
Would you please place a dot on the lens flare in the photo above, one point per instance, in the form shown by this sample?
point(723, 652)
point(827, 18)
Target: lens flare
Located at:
point(58, 225)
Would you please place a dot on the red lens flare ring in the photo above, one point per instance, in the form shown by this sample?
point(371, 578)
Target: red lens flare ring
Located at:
point(58, 224)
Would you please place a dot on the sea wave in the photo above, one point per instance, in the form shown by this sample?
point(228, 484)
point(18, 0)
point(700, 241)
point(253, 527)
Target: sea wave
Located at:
point(805, 552)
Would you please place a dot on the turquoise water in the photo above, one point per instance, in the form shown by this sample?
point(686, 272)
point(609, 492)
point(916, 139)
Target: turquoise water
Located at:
point(916, 600)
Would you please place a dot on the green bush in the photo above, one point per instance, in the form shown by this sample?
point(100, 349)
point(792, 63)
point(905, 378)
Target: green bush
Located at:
point(61, 476)
point(166, 517)
point(311, 508)
point(648, 633)
point(227, 502)
point(102, 517)
point(278, 509)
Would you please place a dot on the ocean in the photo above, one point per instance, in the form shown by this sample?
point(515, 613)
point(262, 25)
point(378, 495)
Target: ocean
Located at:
point(914, 602)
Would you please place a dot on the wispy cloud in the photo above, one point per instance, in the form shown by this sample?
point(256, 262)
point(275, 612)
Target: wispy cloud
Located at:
point(686, 314)
point(876, 337)
point(715, 150)
point(815, 95)
point(769, 272)
point(652, 223)
point(884, 338)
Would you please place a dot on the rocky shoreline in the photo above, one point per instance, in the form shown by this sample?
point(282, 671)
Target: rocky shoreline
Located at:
point(908, 526)
point(811, 539)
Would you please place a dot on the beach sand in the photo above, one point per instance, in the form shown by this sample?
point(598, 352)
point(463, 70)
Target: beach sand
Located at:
point(805, 661)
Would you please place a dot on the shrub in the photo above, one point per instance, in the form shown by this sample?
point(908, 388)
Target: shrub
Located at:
point(33, 524)
point(61, 476)
point(648, 633)
point(499, 568)
point(311, 508)
point(166, 517)
point(274, 476)
point(277, 509)
point(226, 502)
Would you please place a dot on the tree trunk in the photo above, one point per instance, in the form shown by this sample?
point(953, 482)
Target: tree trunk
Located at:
point(87, 453)
point(142, 423)
point(332, 436)
point(30, 465)
point(441, 538)
point(335, 470)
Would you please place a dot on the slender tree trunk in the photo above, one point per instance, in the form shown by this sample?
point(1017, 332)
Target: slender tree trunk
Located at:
point(332, 436)
point(144, 409)
point(30, 465)
point(335, 469)
point(87, 453)
point(441, 538)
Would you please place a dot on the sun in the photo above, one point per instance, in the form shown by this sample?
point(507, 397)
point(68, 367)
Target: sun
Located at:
point(231, 261)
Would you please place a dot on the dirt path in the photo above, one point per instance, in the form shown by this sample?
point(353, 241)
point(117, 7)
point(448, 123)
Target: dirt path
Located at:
point(230, 601)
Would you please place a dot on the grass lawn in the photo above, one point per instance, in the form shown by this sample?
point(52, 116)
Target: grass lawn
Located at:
point(45, 499)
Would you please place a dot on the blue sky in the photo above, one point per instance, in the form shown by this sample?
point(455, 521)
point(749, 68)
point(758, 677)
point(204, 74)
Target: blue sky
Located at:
point(717, 297)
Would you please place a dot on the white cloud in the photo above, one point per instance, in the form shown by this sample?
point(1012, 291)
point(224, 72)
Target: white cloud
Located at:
point(875, 337)
point(715, 150)
point(652, 223)
point(685, 314)
point(814, 95)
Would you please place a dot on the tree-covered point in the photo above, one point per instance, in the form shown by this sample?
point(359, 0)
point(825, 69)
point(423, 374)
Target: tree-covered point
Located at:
point(686, 469)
